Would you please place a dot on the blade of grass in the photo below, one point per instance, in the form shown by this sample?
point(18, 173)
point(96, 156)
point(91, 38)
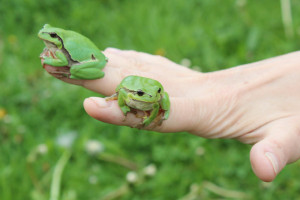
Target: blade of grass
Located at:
point(287, 19)
point(56, 179)
point(224, 192)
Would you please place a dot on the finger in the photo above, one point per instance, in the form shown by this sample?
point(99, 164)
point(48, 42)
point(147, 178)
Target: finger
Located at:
point(105, 85)
point(269, 156)
point(133, 55)
point(147, 60)
point(110, 112)
point(117, 68)
point(121, 65)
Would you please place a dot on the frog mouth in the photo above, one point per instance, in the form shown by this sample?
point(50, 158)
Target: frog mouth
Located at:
point(139, 101)
point(52, 48)
point(140, 105)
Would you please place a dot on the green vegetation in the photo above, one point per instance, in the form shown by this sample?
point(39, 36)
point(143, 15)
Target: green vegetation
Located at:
point(41, 117)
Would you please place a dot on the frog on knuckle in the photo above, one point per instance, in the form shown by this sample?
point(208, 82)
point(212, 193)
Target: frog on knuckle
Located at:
point(62, 51)
point(143, 95)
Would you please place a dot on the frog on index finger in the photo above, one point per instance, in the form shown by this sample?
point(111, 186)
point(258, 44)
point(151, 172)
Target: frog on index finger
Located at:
point(143, 94)
point(69, 48)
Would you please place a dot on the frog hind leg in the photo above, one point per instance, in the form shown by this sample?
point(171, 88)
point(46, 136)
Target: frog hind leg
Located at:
point(87, 70)
point(165, 105)
point(60, 60)
point(152, 116)
point(121, 101)
point(112, 97)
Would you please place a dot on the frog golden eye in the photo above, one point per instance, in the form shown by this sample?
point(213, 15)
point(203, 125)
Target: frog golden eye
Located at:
point(53, 35)
point(159, 90)
point(140, 93)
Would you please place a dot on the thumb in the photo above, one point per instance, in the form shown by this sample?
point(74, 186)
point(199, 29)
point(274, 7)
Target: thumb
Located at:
point(269, 156)
point(110, 112)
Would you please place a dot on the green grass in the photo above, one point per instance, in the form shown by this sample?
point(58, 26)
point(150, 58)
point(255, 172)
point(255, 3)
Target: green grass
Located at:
point(39, 109)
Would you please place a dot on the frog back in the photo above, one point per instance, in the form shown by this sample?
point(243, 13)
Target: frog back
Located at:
point(80, 47)
point(136, 83)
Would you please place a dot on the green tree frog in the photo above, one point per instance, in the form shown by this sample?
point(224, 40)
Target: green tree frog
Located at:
point(68, 48)
point(143, 94)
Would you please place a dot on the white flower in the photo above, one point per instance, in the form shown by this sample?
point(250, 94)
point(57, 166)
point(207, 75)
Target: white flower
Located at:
point(200, 151)
point(21, 129)
point(94, 147)
point(7, 119)
point(266, 184)
point(197, 68)
point(241, 3)
point(42, 149)
point(186, 62)
point(66, 140)
point(69, 194)
point(150, 170)
point(93, 179)
point(132, 177)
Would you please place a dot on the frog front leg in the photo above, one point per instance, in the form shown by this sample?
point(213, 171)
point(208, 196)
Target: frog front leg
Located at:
point(165, 105)
point(153, 114)
point(87, 70)
point(60, 60)
point(122, 96)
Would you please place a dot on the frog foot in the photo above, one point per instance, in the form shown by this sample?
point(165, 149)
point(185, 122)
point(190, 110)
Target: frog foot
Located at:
point(140, 125)
point(112, 97)
point(158, 120)
point(137, 114)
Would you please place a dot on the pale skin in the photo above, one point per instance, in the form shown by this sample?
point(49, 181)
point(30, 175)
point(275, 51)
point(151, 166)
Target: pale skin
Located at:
point(257, 103)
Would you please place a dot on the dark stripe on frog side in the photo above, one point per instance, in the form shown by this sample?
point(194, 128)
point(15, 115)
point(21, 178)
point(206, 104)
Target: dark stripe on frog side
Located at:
point(135, 92)
point(66, 53)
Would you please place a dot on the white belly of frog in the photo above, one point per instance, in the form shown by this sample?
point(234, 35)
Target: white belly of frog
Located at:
point(140, 105)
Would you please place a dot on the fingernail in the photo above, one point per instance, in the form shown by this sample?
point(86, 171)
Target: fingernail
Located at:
point(100, 102)
point(271, 157)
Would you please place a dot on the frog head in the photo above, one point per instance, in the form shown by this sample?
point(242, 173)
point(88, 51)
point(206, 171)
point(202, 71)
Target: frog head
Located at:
point(147, 95)
point(51, 36)
point(141, 89)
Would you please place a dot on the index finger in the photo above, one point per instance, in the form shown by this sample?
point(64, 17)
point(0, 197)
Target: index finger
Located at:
point(110, 112)
point(105, 85)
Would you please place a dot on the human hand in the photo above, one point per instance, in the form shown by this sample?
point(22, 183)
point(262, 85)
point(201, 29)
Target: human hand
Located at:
point(256, 103)
point(124, 63)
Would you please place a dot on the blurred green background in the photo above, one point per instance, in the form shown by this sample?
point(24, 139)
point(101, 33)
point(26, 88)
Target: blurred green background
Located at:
point(44, 128)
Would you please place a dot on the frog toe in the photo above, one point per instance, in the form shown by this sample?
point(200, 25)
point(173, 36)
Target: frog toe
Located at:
point(125, 110)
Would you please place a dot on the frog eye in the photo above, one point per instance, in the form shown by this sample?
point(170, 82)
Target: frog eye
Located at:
point(159, 90)
point(53, 35)
point(140, 93)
